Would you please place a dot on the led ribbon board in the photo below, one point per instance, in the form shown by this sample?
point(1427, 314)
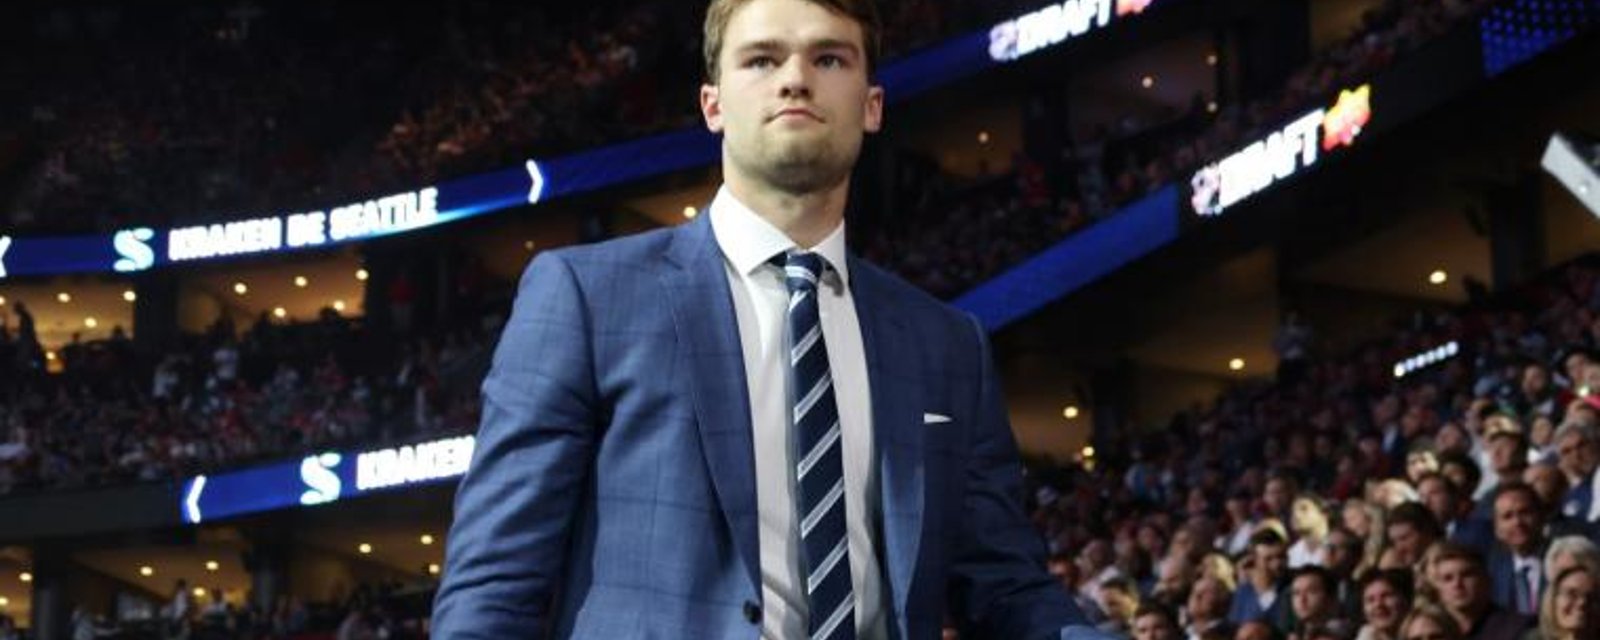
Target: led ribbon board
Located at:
point(1055, 24)
point(263, 233)
point(1282, 154)
point(323, 478)
point(1426, 359)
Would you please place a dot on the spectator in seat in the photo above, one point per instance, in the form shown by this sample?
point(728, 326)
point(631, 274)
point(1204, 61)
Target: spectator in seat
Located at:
point(1571, 607)
point(1312, 601)
point(1578, 455)
point(1207, 609)
point(1430, 622)
point(1310, 523)
point(1257, 597)
point(1386, 598)
point(1154, 621)
point(1464, 592)
point(1411, 530)
point(1516, 572)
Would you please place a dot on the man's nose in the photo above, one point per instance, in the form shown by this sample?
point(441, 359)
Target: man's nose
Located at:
point(794, 78)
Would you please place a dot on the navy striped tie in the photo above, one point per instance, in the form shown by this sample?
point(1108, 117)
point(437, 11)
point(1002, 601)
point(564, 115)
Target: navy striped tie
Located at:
point(825, 553)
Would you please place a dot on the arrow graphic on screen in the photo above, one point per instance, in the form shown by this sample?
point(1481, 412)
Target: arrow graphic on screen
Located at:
point(537, 175)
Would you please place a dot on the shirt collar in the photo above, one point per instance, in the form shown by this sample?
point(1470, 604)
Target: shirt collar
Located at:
point(749, 241)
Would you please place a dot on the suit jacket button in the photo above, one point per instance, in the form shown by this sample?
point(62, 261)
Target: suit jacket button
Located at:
point(752, 612)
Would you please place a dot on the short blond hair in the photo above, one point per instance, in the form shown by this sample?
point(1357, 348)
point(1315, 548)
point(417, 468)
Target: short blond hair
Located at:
point(863, 12)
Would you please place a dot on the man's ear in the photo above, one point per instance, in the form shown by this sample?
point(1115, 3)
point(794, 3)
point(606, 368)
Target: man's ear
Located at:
point(711, 107)
point(873, 120)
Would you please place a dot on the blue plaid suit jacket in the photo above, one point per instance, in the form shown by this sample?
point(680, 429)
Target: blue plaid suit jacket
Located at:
point(612, 492)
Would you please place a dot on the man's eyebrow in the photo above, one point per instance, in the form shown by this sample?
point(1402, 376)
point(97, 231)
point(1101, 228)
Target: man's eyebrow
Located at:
point(826, 44)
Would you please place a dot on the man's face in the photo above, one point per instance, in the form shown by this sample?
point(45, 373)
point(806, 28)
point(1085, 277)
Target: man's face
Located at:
point(1516, 521)
point(1534, 381)
point(792, 100)
point(1438, 498)
point(1460, 584)
point(1309, 598)
point(1503, 454)
point(1382, 605)
point(1343, 552)
point(1308, 516)
point(1271, 560)
point(1207, 601)
point(1406, 540)
point(1176, 576)
point(1577, 457)
point(1154, 626)
point(1276, 495)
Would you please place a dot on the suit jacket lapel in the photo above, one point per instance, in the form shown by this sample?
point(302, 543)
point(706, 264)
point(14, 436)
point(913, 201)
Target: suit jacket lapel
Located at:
point(896, 423)
point(702, 309)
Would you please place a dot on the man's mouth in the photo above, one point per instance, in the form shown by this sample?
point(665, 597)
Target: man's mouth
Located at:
point(796, 112)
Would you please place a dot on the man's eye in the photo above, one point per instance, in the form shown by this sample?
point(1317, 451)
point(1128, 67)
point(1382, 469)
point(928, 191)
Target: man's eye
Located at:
point(831, 61)
point(761, 62)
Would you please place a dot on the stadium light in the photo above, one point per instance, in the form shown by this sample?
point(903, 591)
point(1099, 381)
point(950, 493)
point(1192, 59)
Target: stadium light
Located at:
point(129, 295)
point(211, 565)
point(362, 275)
point(64, 297)
point(426, 539)
point(240, 288)
point(147, 571)
point(364, 548)
point(1574, 160)
point(25, 577)
point(1438, 277)
point(301, 281)
point(1236, 364)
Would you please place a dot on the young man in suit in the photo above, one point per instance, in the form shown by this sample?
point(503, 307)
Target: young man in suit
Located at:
point(735, 429)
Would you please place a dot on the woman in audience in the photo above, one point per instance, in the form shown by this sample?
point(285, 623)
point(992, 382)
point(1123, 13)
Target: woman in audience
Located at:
point(1569, 609)
point(1429, 622)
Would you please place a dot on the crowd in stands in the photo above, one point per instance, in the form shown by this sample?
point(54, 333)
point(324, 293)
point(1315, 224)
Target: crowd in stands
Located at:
point(1346, 502)
point(204, 112)
point(226, 398)
point(1043, 198)
point(387, 611)
point(284, 107)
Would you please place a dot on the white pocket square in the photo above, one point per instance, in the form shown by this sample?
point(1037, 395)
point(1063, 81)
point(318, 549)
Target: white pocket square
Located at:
point(934, 418)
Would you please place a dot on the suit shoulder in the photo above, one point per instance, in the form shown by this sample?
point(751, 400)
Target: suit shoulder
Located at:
point(909, 298)
point(635, 247)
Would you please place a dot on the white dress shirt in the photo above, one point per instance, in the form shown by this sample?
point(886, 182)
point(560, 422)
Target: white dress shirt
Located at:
point(760, 303)
point(1530, 580)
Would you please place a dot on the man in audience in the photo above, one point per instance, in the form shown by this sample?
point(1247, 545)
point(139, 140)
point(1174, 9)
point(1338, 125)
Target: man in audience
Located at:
point(1344, 555)
point(1154, 621)
point(1578, 455)
point(1257, 595)
point(1410, 531)
point(1464, 592)
point(1207, 609)
point(1506, 446)
point(1310, 523)
point(1516, 573)
point(1311, 599)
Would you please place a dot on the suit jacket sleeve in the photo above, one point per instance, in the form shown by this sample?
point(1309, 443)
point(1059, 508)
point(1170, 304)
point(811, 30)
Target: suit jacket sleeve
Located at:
point(515, 507)
point(1000, 586)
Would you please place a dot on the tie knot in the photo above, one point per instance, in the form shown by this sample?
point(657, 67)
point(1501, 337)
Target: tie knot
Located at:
point(801, 270)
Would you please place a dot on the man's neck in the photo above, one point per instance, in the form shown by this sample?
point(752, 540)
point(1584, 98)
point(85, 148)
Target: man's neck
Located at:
point(806, 218)
point(1469, 618)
